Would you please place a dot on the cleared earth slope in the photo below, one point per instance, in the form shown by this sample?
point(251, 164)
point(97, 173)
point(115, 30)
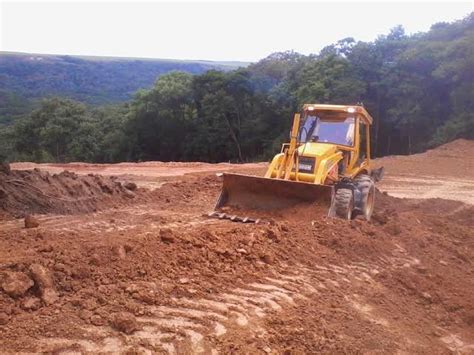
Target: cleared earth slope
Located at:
point(445, 172)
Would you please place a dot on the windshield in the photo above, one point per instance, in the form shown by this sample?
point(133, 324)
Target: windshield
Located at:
point(336, 132)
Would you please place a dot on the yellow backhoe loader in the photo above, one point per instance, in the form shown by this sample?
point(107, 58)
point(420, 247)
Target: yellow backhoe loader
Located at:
point(327, 162)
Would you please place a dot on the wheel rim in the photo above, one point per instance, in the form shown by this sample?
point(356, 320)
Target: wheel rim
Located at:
point(350, 209)
point(369, 206)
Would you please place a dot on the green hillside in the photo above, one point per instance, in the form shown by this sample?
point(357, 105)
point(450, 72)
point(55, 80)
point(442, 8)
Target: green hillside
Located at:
point(94, 80)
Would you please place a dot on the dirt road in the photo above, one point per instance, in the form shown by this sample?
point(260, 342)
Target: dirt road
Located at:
point(151, 274)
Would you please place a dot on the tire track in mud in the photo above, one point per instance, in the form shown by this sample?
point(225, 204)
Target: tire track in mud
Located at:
point(107, 222)
point(190, 325)
point(194, 325)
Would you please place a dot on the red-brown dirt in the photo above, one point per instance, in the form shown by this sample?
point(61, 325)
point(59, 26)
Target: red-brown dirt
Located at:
point(36, 191)
point(446, 172)
point(153, 275)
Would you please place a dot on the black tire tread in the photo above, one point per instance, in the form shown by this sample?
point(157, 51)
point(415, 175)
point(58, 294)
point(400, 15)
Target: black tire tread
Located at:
point(343, 202)
point(364, 183)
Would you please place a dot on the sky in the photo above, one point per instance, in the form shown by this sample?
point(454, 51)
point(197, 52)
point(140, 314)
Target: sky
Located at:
point(224, 31)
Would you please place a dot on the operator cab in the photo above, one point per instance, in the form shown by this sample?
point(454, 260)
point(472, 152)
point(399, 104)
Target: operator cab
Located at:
point(316, 130)
point(346, 127)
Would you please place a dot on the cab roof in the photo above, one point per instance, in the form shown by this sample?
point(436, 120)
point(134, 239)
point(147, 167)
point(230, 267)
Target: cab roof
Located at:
point(338, 111)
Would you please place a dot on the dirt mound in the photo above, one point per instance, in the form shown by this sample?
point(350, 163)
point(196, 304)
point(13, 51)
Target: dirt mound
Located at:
point(37, 191)
point(446, 172)
point(459, 152)
point(459, 147)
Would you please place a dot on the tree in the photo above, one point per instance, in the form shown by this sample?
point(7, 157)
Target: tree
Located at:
point(330, 79)
point(49, 130)
point(157, 120)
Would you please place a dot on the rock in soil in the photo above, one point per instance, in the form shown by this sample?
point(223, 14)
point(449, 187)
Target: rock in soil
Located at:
point(166, 235)
point(272, 234)
point(97, 320)
point(129, 194)
point(130, 186)
point(31, 222)
point(31, 304)
point(85, 314)
point(4, 318)
point(49, 296)
point(393, 228)
point(44, 282)
point(16, 284)
point(5, 168)
point(268, 259)
point(41, 276)
point(119, 251)
point(124, 322)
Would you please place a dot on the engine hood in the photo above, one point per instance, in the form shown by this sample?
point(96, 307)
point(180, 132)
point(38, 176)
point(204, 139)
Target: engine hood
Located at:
point(314, 149)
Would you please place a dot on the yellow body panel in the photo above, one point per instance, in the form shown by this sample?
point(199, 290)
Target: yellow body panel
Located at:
point(326, 156)
point(316, 149)
point(336, 110)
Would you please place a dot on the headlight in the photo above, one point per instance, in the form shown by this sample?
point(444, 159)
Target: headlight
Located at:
point(306, 165)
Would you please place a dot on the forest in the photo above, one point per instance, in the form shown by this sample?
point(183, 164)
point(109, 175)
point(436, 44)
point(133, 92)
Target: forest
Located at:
point(419, 88)
point(26, 77)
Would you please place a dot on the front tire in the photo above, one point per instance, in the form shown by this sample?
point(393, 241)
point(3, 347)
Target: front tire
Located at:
point(344, 203)
point(366, 197)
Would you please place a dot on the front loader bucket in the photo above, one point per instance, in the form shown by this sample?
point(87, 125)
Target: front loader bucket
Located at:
point(259, 193)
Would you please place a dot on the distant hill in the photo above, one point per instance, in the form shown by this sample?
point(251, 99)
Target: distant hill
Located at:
point(95, 80)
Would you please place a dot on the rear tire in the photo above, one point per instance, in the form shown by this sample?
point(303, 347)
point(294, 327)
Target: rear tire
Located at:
point(344, 203)
point(366, 198)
